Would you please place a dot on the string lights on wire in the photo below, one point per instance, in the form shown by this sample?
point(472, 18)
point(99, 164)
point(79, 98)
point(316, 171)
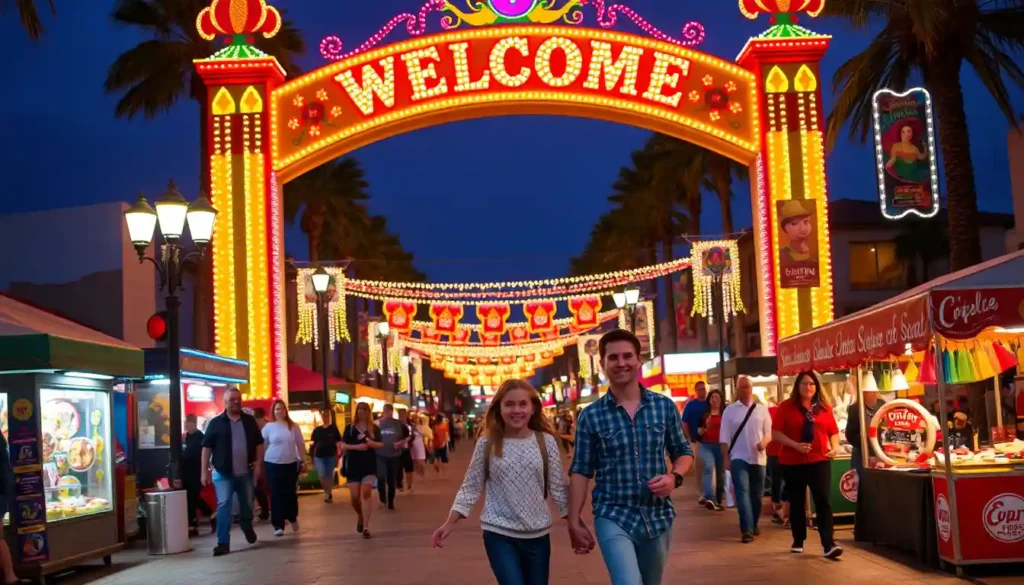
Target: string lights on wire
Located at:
point(704, 281)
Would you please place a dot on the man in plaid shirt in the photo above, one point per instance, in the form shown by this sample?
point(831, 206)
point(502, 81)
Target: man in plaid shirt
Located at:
point(622, 439)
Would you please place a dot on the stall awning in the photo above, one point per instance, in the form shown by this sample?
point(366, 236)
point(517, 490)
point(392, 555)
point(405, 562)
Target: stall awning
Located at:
point(35, 339)
point(302, 380)
point(957, 306)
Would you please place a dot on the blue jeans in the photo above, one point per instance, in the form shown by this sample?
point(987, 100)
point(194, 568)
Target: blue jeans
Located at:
point(748, 482)
point(632, 559)
point(226, 487)
point(518, 561)
point(711, 458)
point(778, 485)
point(325, 466)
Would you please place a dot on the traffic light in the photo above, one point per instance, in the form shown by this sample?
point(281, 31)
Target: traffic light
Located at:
point(156, 326)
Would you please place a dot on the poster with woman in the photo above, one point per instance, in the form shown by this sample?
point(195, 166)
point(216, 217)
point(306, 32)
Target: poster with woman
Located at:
point(798, 243)
point(905, 153)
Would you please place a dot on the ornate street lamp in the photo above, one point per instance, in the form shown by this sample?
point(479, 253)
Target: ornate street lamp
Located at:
point(321, 282)
point(173, 212)
point(628, 299)
point(383, 330)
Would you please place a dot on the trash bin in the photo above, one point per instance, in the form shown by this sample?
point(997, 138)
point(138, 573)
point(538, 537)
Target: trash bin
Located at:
point(167, 522)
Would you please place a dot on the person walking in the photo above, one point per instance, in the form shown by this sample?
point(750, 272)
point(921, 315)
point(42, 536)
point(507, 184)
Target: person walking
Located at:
point(440, 430)
point(360, 464)
point(780, 501)
point(517, 465)
point(622, 439)
point(325, 450)
point(693, 413)
point(392, 442)
point(708, 430)
point(191, 472)
point(284, 460)
point(234, 446)
point(405, 463)
point(421, 440)
point(745, 434)
point(810, 439)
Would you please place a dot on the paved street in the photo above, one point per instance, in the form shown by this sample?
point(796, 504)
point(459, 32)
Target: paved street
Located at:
point(705, 551)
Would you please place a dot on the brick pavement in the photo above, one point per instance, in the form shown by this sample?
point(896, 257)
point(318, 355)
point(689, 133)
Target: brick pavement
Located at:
point(705, 551)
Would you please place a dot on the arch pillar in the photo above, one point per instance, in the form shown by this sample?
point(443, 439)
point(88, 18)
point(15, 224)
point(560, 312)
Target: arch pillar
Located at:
point(247, 248)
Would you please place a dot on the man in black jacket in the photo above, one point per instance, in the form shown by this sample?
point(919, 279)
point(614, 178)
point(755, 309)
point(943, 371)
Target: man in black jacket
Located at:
point(234, 445)
point(191, 471)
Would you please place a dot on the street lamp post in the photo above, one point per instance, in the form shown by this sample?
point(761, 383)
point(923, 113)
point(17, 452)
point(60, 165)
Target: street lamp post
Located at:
point(721, 324)
point(383, 330)
point(407, 367)
point(321, 282)
point(628, 300)
point(172, 213)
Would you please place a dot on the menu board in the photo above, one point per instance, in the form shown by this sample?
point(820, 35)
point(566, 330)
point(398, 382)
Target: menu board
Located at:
point(28, 506)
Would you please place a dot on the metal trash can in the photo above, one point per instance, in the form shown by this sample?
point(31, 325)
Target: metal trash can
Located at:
point(167, 522)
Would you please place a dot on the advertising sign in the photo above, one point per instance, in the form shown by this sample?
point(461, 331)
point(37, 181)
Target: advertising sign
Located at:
point(905, 153)
point(28, 512)
point(797, 223)
point(962, 314)
point(990, 517)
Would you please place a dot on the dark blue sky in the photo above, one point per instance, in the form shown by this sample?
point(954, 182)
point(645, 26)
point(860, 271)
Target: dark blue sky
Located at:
point(62, 146)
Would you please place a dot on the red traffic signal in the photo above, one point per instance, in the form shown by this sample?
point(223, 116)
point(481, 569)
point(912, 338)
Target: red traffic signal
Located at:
point(156, 326)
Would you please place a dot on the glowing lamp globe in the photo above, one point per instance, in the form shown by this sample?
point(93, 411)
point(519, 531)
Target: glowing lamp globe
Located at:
point(383, 329)
point(632, 296)
point(321, 280)
point(751, 8)
point(620, 300)
point(200, 216)
point(171, 210)
point(141, 220)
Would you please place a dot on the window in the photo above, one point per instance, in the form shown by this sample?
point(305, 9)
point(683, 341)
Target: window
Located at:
point(874, 265)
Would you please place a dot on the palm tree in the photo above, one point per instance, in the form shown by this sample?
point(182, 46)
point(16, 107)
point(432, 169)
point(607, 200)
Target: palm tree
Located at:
point(152, 76)
point(28, 14)
point(328, 202)
point(920, 243)
point(933, 39)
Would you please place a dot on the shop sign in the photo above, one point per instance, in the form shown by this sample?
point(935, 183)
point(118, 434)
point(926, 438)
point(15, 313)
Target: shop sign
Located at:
point(905, 153)
point(850, 342)
point(1004, 517)
point(963, 314)
point(28, 512)
point(211, 366)
point(942, 518)
point(848, 485)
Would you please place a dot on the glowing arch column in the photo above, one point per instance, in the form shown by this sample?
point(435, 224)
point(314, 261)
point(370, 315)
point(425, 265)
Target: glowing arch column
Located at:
point(248, 279)
point(791, 166)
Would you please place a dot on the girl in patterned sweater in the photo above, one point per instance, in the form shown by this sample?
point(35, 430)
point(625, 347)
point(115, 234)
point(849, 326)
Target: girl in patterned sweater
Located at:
point(518, 464)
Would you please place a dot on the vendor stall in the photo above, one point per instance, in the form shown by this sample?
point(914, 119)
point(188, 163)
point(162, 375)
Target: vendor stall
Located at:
point(375, 397)
point(762, 373)
point(55, 394)
point(676, 374)
point(958, 333)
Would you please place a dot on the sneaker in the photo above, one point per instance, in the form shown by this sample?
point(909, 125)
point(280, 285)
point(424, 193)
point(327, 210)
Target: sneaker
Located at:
point(756, 531)
point(700, 501)
point(250, 536)
point(718, 508)
point(747, 538)
point(798, 547)
point(295, 526)
point(391, 506)
point(330, 498)
point(834, 552)
point(710, 505)
point(278, 532)
point(221, 550)
point(777, 518)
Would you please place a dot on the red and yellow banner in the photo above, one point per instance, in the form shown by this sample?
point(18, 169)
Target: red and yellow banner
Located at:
point(585, 311)
point(518, 334)
point(429, 333)
point(400, 315)
point(461, 336)
point(446, 316)
point(490, 339)
point(493, 318)
point(540, 316)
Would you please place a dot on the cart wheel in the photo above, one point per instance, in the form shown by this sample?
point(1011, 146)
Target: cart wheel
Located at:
point(107, 560)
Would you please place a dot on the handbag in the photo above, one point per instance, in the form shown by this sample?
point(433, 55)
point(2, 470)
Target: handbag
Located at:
point(739, 429)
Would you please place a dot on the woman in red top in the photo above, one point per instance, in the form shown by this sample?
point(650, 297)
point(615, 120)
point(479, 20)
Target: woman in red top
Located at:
point(711, 451)
point(780, 502)
point(810, 438)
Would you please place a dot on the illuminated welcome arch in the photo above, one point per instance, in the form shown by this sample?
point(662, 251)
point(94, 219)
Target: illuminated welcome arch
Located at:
point(764, 111)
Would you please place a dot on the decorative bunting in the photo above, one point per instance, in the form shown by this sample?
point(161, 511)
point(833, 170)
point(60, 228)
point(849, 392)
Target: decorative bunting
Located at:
point(585, 311)
point(429, 333)
point(493, 317)
point(446, 316)
point(399, 315)
point(518, 334)
point(540, 316)
point(490, 339)
point(461, 336)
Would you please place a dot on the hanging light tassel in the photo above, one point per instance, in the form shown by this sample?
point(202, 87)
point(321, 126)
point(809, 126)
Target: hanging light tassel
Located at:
point(1004, 357)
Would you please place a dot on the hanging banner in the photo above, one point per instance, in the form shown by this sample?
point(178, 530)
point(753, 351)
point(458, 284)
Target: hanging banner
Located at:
point(907, 170)
point(540, 316)
point(508, 360)
point(584, 311)
point(797, 225)
point(430, 334)
point(518, 334)
point(549, 335)
point(493, 317)
point(461, 336)
point(446, 316)
point(399, 315)
point(490, 339)
point(683, 296)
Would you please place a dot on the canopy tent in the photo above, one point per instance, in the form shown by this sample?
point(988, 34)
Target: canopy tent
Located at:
point(34, 339)
point(956, 306)
point(302, 380)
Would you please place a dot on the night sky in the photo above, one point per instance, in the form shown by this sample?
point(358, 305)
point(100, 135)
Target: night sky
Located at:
point(450, 191)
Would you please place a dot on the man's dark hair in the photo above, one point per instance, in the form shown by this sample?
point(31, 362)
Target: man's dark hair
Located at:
point(618, 335)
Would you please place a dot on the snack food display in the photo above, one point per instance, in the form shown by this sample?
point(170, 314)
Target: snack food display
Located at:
point(81, 454)
point(61, 418)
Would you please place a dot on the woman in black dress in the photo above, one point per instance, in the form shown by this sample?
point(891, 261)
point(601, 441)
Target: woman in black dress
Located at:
point(359, 465)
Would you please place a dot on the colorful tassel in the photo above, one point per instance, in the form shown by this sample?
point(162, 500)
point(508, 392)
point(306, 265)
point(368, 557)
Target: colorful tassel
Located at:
point(1005, 358)
point(980, 356)
point(948, 365)
point(993, 357)
point(912, 372)
point(963, 368)
point(927, 373)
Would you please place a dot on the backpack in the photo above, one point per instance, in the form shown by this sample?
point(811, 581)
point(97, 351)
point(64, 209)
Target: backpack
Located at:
point(541, 443)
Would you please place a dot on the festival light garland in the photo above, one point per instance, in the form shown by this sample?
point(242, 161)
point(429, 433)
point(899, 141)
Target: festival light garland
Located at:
point(564, 322)
point(704, 284)
point(337, 311)
point(492, 352)
point(332, 47)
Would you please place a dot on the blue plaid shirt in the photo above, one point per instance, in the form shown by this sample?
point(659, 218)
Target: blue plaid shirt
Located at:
point(625, 454)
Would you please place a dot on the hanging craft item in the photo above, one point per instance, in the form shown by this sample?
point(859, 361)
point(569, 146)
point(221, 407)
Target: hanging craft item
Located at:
point(490, 339)
point(518, 334)
point(461, 336)
point(446, 316)
point(337, 319)
point(549, 335)
point(714, 262)
point(430, 333)
point(493, 317)
point(927, 373)
point(1004, 358)
point(540, 316)
point(584, 311)
point(399, 315)
point(375, 361)
point(912, 372)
